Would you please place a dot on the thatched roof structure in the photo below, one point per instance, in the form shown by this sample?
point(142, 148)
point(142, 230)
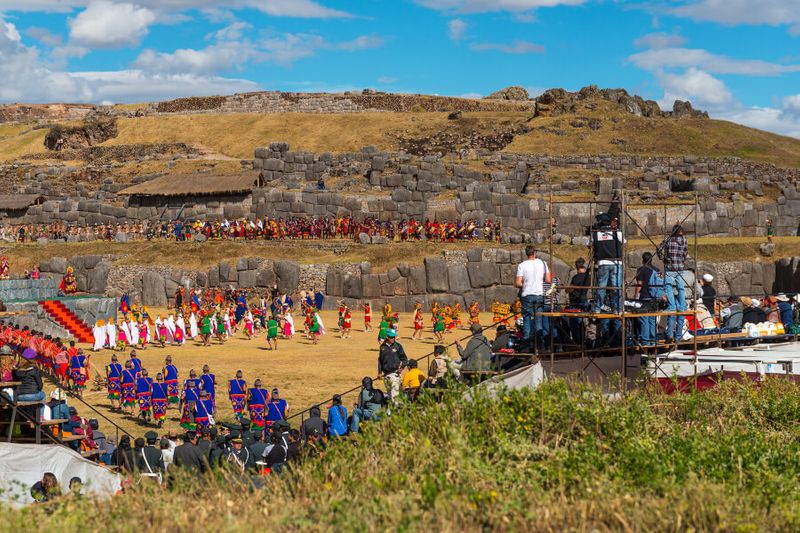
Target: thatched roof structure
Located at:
point(16, 202)
point(199, 184)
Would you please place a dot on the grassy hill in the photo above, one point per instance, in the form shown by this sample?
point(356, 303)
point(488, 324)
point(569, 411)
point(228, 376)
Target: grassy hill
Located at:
point(563, 457)
point(597, 126)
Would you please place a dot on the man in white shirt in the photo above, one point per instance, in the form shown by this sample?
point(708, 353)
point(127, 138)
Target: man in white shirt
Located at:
point(532, 274)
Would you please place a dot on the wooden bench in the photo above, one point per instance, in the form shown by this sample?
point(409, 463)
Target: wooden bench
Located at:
point(70, 438)
point(54, 422)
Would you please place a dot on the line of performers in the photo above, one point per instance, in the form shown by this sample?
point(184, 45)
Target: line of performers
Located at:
point(130, 387)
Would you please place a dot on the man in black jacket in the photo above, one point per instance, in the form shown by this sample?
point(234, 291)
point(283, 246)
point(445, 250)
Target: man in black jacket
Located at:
point(313, 424)
point(391, 361)
point(189, 456)
point(149, 459)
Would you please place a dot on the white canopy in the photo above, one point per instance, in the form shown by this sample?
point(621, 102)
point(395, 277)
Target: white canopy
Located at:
point(22, 465)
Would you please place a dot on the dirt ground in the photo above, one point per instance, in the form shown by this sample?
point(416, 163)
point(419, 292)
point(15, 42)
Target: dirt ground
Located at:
point(304, 373)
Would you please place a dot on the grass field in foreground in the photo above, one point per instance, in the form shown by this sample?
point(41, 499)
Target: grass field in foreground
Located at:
point(563, 457)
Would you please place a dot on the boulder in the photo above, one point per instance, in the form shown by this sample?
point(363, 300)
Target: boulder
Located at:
point(379, 239)
point(121, 237)
point(265, 277)
point(288, 274)
point(200, 238)
point(241, 264)
point(365, 267)
point(154, 290)
point(201, 279)
point(514, 92)
point(224, 272)
point(334, 283)
point(458, 279)
point(213, 276)
point(436, 274)
point(363, 238)
point(398, 287)
point(97, 278)
point(502, 294)
point(248, 278)
point(475, 255)
point(351, 288)
point(58, 265)
point(371, 286)
point(483, 274)
point(417, 281)
point(393, 274)
point(767, 249)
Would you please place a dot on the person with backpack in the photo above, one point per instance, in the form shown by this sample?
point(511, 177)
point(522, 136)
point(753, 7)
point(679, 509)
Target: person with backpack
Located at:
point(313, 424)
point(337, 418)
point(370, 402)
point(647, 281)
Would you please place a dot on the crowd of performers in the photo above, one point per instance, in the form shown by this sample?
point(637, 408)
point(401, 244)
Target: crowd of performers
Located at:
point(294, 228)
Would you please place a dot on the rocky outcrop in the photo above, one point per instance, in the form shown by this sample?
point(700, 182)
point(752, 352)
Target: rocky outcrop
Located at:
point(93, 131)
point(556, 102)
point(515, 92)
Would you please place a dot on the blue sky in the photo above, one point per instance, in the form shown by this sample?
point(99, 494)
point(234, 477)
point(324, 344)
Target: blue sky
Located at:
point(739, 59)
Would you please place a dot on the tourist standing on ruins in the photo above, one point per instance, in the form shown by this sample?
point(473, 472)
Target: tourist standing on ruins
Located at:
point(675, 251)
point(531, 277)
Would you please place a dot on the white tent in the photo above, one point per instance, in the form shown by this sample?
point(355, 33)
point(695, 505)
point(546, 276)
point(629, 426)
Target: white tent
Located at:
point(528, 376)
point(22, 465)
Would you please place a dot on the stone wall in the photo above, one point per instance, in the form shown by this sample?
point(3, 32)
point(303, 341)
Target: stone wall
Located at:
point(281, 102)
point(736, 197)
point(480, 274)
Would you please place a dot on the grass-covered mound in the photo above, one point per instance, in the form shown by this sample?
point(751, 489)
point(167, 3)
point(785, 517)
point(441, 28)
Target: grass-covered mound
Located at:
point(562, 457)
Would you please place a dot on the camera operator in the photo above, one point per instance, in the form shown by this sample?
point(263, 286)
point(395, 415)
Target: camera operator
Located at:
point(607, 241)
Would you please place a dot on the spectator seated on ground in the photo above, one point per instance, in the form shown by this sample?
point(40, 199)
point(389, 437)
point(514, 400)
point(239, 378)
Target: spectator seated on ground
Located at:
point(313, 423)
point(786, 312)
point(46, 489)
point(439, 369)
point(732, 315)
point(502, 338)
point(370, 402)
point(57, 406)
point(337, 418)
point(477, 356)
point(412, 380)
point(752, 313)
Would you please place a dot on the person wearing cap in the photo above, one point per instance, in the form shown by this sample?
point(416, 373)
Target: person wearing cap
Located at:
point(477, 356)
point(149, 459)
point(59, 410)
point(276, 408)
point(337, 418)
point(238, 457)
point(257, 445)
point(709, 294)
point(391, 361)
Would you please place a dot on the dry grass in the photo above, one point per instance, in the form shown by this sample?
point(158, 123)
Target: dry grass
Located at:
point(19, 139)
point(303, 372)
point(238, 134)
point(645, 136)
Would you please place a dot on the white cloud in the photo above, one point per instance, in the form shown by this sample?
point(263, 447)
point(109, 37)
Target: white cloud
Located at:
point(660, 40)
point(705, 60)
point(364, 42)
point(791, 105)
point(44, 36)
point(518, 47)
point(27, 78)
point(232, 32)
point(105, 24)
point(777, 120)
point(473, 96)
point(276, 8)
point(697, 86)
point(485, 6)
point(456, 29)
point(219, 57)
point(734, 12)
point(387, 80)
